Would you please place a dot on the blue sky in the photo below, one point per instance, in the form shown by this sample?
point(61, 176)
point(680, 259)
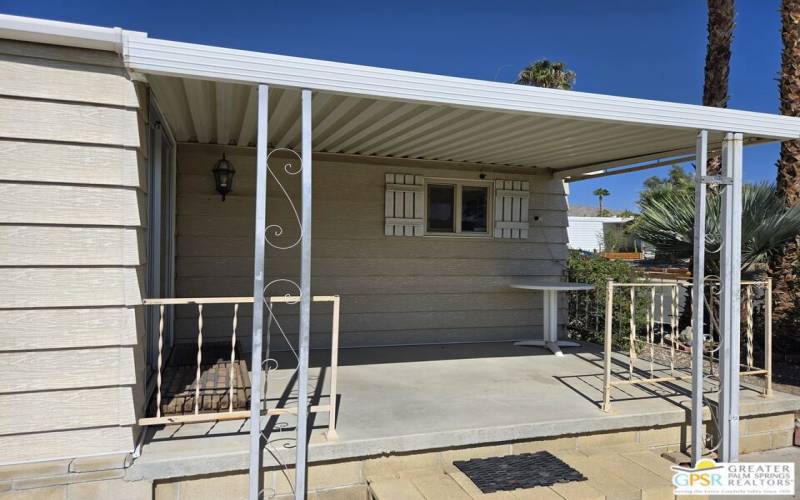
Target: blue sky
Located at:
point(635, 48)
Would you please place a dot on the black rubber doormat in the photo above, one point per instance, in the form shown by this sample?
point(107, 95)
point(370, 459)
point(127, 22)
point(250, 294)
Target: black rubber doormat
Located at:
point(512, 472)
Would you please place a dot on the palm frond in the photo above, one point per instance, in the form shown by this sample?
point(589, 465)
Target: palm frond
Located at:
point(667, 222)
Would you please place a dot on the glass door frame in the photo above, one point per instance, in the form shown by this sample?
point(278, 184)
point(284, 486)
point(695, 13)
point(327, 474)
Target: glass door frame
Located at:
point(160, 233)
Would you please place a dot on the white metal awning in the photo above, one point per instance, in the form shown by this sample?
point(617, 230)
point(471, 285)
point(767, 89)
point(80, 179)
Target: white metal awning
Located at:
point(224, 113)
point(208, 96)
point(378, 112)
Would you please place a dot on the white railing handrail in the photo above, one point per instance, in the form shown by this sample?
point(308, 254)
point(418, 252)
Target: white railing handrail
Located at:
point(233, 300)
point(681, 282)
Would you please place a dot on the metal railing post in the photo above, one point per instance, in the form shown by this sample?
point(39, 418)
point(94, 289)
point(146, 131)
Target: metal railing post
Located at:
point(255, 479)
point(305, 303)
point(768, 337)
point(331, 435)
point(233, 356)
point(730, 298)
point(697, 295)
point(607, 346)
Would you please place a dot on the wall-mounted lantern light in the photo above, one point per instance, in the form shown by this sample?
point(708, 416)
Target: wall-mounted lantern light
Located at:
point(223, 176)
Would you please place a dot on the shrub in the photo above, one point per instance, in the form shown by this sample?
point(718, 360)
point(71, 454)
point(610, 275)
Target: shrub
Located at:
point(587, 310)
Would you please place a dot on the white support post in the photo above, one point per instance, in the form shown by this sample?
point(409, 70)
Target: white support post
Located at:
point(154, 243)
point(730, 283)
point(305, 304)
point(698, 277)
point(258, 296)
point(550, 309)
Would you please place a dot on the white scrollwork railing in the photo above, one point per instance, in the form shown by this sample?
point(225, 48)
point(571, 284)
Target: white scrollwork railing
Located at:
point(277, 230)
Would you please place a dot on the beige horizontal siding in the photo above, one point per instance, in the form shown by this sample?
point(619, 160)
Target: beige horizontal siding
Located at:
point(76, 246)
point(66, 410)
point(376, 266)
point(362, 285)
point(204, 225)
point(65, 81)
point(72, 209)
point(375, 322)
point(68, 122)
point(393, 289)
point(322, 340)
point(388, 303)
point(411, 248)
point(34, 329)
point(326, 212)
point(65, 444)
point(29, 161)
point(69, 369)
point(45, 287)
point(65, 204)
point(196, 179)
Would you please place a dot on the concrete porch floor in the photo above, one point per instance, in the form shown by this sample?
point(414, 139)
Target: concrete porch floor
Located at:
point(406, 399)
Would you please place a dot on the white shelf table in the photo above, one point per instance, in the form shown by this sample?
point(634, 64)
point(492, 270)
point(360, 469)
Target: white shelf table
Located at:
point(550, 290)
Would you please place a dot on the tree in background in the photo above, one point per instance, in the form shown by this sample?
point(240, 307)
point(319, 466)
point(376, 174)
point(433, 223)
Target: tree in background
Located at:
point(677, 179)
point(718, 60)
point(667, 223)
point(547, 74)
point(784, 263)
point(601, 193)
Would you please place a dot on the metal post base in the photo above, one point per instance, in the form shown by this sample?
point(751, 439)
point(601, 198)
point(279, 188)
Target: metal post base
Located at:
point(553, 346)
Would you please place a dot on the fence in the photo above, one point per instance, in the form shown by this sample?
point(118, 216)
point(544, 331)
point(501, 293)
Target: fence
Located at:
point(643, 319)
point(660, 332)
point(197, 415)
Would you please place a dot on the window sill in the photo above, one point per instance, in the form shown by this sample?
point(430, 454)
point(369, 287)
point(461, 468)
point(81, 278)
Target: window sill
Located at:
point(460, 236)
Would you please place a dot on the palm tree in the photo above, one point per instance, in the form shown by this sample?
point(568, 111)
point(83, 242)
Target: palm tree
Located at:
point(601, 193)
point(667, 223)
point(548, 74)
point(784, 263)
point(718, 60)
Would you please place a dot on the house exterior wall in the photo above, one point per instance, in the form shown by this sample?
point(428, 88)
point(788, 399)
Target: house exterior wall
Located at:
point(394, 289)
point(587, 233)
point(72, 198)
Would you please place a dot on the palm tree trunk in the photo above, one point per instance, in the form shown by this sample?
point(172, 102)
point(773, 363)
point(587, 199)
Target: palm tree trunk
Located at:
point(715, 89)
point(784, 264)
point(718, 60)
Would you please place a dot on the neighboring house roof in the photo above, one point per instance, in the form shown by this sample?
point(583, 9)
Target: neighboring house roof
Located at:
point(376, 112)
point(607, 220)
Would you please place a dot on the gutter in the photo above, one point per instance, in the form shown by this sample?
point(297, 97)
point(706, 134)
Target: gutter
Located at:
point(29, 29)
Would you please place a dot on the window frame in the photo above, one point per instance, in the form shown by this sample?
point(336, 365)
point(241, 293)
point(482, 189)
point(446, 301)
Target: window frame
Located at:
point(458, 185)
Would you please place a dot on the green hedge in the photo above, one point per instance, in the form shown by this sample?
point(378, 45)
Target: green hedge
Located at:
point(597, 270)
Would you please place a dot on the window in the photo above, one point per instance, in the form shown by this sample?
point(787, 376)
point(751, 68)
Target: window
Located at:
point(457, 207)
point(473, 209)
point(441, 208)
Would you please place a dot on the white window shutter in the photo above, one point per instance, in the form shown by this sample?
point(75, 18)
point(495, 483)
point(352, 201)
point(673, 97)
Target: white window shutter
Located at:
point(405, 201)
point(511, 209)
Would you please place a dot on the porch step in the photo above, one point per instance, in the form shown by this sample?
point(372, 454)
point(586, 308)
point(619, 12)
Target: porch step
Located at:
point(623, 472)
